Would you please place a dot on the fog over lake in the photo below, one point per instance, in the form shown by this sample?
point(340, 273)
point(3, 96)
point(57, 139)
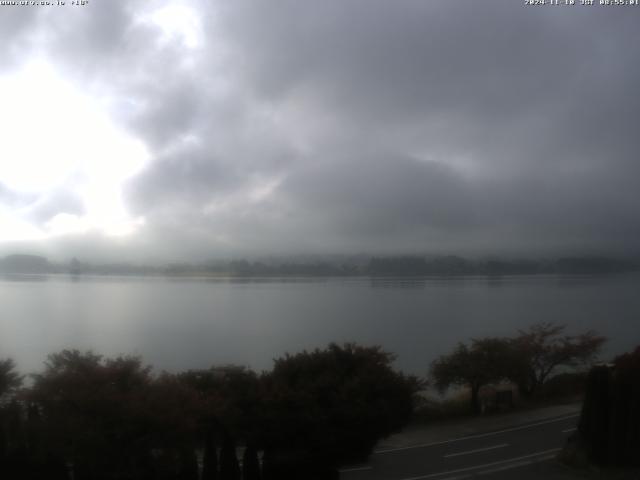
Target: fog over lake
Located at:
point(191, 323)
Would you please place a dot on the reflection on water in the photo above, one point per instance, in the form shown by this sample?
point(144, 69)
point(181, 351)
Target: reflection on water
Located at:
point(398, 282)
point(177, 323)
point(23, 277)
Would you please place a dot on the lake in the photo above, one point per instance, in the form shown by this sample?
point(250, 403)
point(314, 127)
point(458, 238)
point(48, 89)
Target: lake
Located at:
point(176, 323)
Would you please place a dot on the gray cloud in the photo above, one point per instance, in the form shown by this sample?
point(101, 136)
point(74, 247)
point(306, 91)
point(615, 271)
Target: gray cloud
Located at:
point(11, 198)
point(15, 34)
point(54, 203)
point(371, 125)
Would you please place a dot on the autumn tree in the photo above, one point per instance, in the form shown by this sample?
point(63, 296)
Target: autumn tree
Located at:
point(210, 457)
point(94, 411)
point(528, 360)
point(229, 466)
point(483, 362)
point(10, 380)
point(629, 360)
point(544, 348)
point(609, 427)
point(250, 464)
point(230, 397)
point(329, 406)
point(11, 434)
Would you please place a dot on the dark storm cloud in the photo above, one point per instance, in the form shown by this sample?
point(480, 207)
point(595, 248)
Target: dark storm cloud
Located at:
point(171, 179)
point(174, 110)
point(538, 104)
point(372, 125)
point(368, 198)
point(493, 77)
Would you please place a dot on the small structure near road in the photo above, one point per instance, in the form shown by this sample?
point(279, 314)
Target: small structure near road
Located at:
point(498, 398)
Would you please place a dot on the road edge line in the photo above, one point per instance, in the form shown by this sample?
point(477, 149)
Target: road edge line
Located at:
point(545, 455)
point(479, 435)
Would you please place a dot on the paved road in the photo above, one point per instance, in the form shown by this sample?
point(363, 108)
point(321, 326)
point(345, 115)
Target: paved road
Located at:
point(490, 454)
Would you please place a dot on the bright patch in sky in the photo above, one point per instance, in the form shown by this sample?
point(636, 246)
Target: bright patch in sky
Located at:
point(179, 22)
point(56, 139)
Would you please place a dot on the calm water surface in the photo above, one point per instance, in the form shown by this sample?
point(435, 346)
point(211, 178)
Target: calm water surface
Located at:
point(190, 323)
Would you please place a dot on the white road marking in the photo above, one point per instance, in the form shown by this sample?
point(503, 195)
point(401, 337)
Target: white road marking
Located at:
point(569, 430)
point(481, 435)
point(514, 462)
point(476, 450)
point(521, 463)
point(355, 469)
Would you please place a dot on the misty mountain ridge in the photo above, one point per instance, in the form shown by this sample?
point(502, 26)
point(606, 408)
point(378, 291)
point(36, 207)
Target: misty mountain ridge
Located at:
point(357, 265)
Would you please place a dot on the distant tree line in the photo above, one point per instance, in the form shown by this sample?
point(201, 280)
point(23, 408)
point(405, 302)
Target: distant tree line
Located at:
point(454, 265)
point(406, 266)
point(88, 417)
point(388, 266)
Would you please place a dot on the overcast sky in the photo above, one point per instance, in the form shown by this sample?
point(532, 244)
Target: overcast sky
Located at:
point(186, 130)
